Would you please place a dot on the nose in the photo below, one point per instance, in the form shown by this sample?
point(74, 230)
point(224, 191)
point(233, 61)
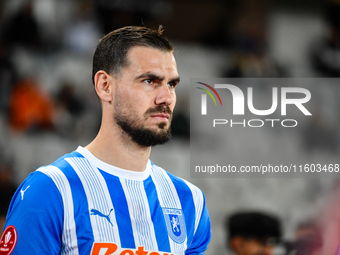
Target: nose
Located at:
point(165, 95)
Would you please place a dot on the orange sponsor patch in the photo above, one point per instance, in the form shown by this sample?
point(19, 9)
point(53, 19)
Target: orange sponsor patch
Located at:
point(113, 249)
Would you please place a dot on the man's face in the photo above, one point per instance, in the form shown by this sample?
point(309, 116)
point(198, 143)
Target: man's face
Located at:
point(145, 95)
point(250, 246)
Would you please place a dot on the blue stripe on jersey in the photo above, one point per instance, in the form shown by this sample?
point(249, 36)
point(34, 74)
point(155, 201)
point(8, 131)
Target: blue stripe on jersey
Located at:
point(157, 216)
point(187, 203)
point(82, 220)
point(121, 209)
point(134, 191)
point(98, 197)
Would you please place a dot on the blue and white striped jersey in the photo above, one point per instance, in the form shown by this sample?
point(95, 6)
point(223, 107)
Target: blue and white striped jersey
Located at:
point(81, 205)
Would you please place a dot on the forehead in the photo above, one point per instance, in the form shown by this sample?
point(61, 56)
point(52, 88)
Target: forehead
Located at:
point(147, 59)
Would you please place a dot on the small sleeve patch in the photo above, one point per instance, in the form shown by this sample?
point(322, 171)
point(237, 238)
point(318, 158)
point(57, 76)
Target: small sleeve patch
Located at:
point(8, 240)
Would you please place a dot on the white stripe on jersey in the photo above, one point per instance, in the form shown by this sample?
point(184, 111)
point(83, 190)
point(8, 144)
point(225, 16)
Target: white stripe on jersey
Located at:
point(69, 236)
point(99, 199)
point(139, 210)
point(168, 198)
point(198, 201)
point(167, 193)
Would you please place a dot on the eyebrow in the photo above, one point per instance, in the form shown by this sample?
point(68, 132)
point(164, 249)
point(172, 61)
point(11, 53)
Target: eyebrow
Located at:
point(156, 77)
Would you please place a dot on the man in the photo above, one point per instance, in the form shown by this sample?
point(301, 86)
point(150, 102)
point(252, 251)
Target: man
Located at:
point(109, 198)
point(252, 233)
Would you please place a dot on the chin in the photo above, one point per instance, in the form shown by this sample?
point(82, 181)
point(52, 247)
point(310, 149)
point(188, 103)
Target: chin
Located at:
point(163, 126)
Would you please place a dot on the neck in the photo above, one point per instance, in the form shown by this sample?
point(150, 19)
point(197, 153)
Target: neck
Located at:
point(115, 147)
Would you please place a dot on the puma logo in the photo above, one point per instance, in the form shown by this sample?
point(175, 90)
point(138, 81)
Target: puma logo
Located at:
point(96, 212)
point(22, 192)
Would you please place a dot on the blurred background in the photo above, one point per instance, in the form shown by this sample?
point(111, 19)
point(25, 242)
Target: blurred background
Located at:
point(48, 105)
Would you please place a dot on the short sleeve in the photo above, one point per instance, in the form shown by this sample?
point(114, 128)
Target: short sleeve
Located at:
point(36, 213)
point(202, 235)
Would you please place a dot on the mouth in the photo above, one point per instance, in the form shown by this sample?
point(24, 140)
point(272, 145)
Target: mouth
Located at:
point(161, 116)
point(159, 113)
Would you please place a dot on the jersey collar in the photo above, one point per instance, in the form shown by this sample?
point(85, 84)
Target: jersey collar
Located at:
point(119, 172)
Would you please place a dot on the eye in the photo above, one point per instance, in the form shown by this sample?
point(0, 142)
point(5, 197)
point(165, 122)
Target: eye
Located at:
point(148, 81)
point(172, 84)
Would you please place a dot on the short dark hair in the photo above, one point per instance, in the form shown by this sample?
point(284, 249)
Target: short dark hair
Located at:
point(112, 49)
point(255, 225)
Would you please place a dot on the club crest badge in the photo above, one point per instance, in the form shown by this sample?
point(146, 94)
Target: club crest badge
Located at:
point(175, 224)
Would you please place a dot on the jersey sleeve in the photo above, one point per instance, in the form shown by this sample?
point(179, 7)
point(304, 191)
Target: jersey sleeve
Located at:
point(202, 235)
point(36, 212)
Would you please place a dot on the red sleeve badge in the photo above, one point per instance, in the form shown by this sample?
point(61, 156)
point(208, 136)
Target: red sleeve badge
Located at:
point(8, 240)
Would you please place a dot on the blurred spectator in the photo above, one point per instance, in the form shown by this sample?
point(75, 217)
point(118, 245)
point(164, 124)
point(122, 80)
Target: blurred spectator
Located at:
point(29, 107)
point(115, 14)
point(67, 99)
point(180, 126)
point(252, 233)
point(248, 36)
point(7, 77)
point(83, 34)
point(326, 54)
point(328, 219)
point(317, 136)
point(308, 240)
point(68, 107)
point(22, 29)
point(7, 190)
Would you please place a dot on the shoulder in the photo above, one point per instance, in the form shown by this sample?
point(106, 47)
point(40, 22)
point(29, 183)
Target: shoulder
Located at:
point(62, 168)
point(37, 209)
point(47, 180)
point(36, 186)
point(44, 190)
point(36, 198)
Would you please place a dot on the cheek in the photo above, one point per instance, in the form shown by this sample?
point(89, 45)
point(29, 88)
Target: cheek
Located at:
point(128, 99)
point(251, 247)
point(173, 104)
point(138, 104)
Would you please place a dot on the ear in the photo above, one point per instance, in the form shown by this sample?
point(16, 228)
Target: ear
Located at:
point(103, 85)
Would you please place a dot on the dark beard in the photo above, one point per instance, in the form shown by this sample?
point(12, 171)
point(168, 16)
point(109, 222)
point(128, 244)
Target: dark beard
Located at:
point(142, 135)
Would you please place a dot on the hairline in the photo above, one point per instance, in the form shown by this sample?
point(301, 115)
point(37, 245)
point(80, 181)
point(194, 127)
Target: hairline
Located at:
point(127, 61)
